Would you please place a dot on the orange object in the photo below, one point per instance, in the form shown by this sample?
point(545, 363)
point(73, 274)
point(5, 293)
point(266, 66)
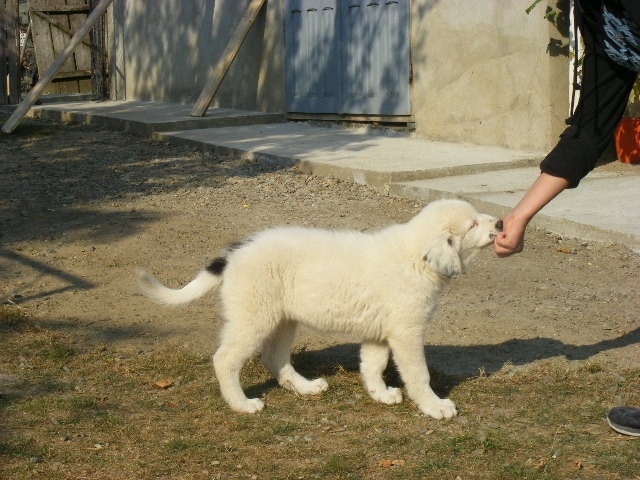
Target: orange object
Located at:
point(627, 140)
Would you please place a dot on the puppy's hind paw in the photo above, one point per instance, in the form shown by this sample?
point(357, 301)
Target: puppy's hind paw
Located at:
point(318, 385)
point(303, 386)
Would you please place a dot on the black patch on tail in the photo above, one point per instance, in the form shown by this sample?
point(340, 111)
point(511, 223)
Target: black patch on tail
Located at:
point(220, 263)
point(217, 266)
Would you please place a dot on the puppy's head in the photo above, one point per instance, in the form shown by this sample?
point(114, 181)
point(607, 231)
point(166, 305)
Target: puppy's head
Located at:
point(455, 233)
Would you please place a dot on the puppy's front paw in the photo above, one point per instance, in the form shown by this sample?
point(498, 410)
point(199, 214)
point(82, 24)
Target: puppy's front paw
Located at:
point(251, 405)
point(439, 408)
point(318, 385)
point(390, 395)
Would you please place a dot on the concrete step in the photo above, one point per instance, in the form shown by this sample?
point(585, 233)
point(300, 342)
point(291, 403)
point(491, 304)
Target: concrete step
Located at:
point(145, 118)
point(362, 156)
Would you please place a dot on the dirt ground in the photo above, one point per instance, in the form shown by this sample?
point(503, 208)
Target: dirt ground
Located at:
point(81, 207)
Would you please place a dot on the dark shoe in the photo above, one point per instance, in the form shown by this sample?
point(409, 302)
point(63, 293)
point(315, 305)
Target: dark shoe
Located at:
point(625, 420)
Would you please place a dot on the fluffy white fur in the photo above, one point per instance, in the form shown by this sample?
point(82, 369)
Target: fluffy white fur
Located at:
point(379, 288)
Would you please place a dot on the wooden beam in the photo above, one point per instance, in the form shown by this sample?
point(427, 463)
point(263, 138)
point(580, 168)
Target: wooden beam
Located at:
point(47, 76)
point(9, 71)
point(228, 55)
point(55, 24)
point(64, 76)
point(59, 7)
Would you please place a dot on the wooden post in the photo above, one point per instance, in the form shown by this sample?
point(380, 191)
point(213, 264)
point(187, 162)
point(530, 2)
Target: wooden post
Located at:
point(98, 70)
point(37, 89)
point(4, 54)
point(228, 55)
point(9, 68)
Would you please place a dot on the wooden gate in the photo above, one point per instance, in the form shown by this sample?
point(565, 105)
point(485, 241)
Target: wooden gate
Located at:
point(9, 70)
point(54, 22)
point(347, 57)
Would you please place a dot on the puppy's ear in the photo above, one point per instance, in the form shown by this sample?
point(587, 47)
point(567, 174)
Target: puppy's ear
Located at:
point(442, 256)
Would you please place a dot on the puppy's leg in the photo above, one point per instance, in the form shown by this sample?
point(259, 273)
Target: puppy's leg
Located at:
point(408, 354)
point(238, 342)
point(276, 355)
point(373, 360)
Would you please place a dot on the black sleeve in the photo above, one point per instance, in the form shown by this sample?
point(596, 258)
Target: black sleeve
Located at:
point(603, 99)
point(631, 9)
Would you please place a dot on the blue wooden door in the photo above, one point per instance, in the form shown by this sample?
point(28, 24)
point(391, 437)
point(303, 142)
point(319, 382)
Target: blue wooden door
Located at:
point(312, 56)
point(347, 57)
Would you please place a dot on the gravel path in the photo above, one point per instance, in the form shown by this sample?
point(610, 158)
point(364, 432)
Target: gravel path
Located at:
point(81, 207)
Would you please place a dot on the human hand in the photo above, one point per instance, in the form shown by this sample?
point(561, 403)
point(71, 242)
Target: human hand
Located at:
point(541, 192)
point(511, 239)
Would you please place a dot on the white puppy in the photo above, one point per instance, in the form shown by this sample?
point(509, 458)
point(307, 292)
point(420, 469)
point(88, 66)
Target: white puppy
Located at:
point(380, 288)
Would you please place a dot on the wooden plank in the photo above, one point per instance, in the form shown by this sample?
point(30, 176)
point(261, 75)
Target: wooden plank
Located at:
point(74, 75)
point(77, 6)
point(47, 76)
point(58, 41)
point(51, 21)
point(225, 61)
point(97, 58)
point(51, 32)
point(82, 56)
point(44, 44)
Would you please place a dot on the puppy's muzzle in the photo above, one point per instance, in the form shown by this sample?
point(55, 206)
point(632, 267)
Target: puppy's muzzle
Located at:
point(498, 227)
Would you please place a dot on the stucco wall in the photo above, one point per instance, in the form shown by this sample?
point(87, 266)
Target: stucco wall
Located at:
point(483, 73)
point(481, 70)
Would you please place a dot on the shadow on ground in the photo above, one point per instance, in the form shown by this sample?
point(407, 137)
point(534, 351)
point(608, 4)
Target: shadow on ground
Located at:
point(451, 365)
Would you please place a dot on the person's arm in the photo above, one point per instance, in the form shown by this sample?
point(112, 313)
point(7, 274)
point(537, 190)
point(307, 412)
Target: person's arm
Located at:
point(542, 191)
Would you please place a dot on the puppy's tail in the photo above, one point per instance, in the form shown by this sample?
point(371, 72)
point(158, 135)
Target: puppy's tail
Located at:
point(152, 288)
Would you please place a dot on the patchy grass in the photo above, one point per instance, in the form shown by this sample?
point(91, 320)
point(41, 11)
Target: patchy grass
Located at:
point(68, 410)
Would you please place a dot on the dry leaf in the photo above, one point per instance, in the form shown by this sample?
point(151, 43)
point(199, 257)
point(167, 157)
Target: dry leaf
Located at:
point(576, 465)
point(386, 463)
point(563, 250)
point(164, 383)
point(541, 464)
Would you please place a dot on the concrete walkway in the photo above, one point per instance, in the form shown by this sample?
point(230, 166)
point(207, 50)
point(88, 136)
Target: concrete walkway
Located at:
point(605, 208)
